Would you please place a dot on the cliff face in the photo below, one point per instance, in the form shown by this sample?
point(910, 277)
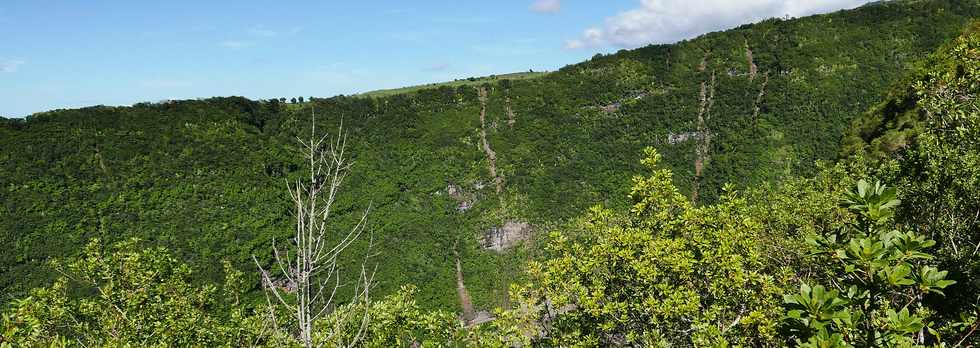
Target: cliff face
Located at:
point(505, 237)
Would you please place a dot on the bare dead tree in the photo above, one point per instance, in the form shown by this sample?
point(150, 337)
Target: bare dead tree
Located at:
point(310, 271)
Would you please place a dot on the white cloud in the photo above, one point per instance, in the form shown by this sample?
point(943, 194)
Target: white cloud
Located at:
point(546, 6)
point(234, 44)
point(11, 66)
point(665, 21)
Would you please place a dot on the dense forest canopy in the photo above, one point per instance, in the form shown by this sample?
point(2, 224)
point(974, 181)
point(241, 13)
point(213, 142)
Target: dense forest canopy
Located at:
point(204, 178)
point(738, 228)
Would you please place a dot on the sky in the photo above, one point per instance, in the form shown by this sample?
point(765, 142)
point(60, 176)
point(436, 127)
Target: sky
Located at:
point(74, 53)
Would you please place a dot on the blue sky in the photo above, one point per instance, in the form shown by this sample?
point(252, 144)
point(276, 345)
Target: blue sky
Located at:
point(73, 53)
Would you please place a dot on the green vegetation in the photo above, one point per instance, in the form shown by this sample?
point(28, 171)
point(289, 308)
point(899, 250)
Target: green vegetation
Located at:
point(884, 272)
point(471, 81)
point(934, 113)
point(141, 297)
point(736, 231)
point(205, 178)
point(666, 272)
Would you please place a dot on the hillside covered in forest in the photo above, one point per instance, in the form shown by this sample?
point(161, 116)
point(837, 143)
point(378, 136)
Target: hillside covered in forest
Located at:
point(204, 178)
point(735, 149)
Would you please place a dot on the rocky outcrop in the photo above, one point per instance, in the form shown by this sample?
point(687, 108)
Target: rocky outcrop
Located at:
point(454, 191)
point(479, 318)
point(463, 201)
point(677, 138)
point(98, 155)
point(500, 238)
point(611, 108)
point(758, 100)
point(704, 62)
point(511, 118)
point(753, 69)
point(608, 108)
point(704, 145)
point(282, 284)
point(463, 206)
point(616, 105)
point(464, 296)
point(491, 155)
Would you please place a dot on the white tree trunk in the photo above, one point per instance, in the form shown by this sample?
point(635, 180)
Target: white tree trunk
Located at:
point(309, 265)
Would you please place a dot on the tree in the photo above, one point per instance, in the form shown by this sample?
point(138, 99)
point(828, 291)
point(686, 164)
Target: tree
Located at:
point(397, 320)
point(882, 276)
point(300, 99)
point(309, 265)
point(926, 133)
point(127, 295)
point(666, 272)
point(942, 169)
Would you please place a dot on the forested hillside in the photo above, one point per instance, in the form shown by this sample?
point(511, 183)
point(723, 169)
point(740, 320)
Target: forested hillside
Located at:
point(441, 168)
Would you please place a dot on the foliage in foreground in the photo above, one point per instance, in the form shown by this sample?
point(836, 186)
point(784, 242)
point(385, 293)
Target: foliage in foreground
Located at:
point(925, 134)
point(202, 177)
point(124, 295)
point(882, 276)
point(665, 272)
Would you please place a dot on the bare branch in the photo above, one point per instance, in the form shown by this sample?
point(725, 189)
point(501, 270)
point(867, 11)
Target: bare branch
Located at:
point(313, 252)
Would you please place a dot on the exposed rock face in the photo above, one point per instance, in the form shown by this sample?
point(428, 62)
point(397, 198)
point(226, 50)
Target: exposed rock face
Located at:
point(704, 144)
point(464, 201)
point(753, 69)
point(454, 191)
point(479, 318)
point(283, 284)
point(611, 108)
point(507, 236)
point(511, 118)
point(759, 99)
point(615, 106)
point(464, 296)
point(677, 138)
point(491, 155)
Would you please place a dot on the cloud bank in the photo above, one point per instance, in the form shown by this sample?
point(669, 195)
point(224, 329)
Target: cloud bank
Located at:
point(666, 21)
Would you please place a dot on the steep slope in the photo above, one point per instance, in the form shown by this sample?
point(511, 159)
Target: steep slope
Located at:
point(892, 125)
point(205, 178)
